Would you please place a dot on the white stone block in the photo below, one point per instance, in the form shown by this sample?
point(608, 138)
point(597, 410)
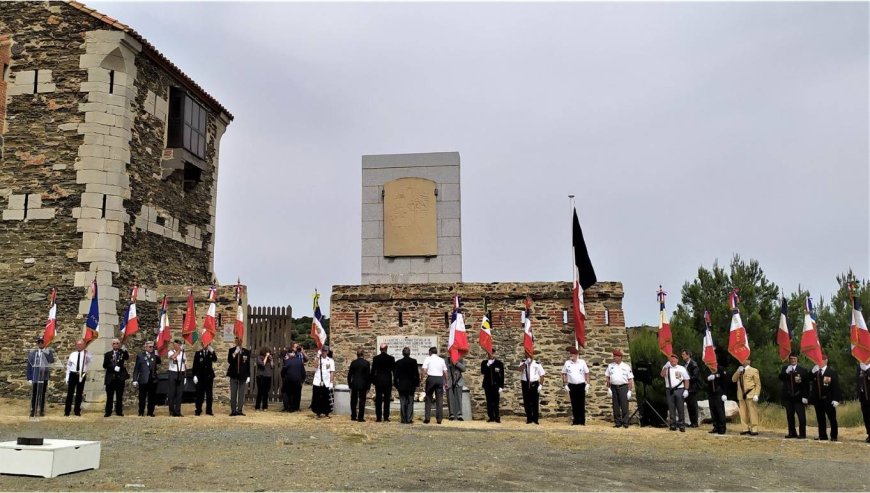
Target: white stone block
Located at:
point(91, 226)
point(104, 266)
point(371, 195)
point(99, 117)
point(93, 106)
point(41, 214)
point(90, 60)
point(449, 192)
point(370, 265)
point(372, 229)
point(88, 86)
point(430, 265)
point(96, 255)
point(93, 128)
point(58, 167)
point(46, 88)
point(451, 264)
point(68, 126)
point(94, 200)
point(448, 210)
point(89, 213)
point(16, 202)
point(24, 77)
point(373, 212)
point(16, 215)
point(450, 245)
point(114, 203)
point(91, 176)
point(120, 153)
point(372, 247)
point(395, 265)
point(156, 229)
point(445, 278)
point(416, 278)
point(449, 227)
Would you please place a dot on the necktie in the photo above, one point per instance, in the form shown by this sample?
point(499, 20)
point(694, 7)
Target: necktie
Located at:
point(79, 363)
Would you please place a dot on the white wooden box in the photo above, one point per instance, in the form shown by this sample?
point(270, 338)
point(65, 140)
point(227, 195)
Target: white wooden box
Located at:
point(53, 458)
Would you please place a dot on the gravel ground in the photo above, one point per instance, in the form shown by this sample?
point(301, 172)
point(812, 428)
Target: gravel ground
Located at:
point(268, 451)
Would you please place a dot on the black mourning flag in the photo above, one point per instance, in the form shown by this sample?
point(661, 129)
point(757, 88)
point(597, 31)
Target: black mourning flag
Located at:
point(581, 257)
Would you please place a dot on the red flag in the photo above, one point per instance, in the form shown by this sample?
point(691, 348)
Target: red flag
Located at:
point(528, 338)
point(858, 334)
point(239, 326)
point(783, 334)
point(738, 344)
point(130, 322)
point(188, 329)
point(810, 346)
point(209, 325)
point(665, 338)
point(51, 325)
point(485, 337)
point(457, 342)
point(584, 277)
point(709, 355)
point(163, 335)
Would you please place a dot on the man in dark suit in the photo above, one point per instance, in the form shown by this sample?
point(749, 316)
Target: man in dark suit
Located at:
point(694, 385)
point(115, 364)
point(145, 377)
point(493, 383)
point(382, 376)
point(863, 384)
point(239, 371)
point(407, 379)
point(795, 392)
point(359, 383)
point(825, 396)
point(203, 377)
point(716, 394)
point(292, 378)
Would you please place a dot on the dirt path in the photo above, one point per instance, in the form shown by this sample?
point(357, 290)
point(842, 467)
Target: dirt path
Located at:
point(276, 451)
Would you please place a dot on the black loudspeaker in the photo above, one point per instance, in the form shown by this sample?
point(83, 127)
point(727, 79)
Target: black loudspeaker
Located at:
point(29, 441)
point(643, 373)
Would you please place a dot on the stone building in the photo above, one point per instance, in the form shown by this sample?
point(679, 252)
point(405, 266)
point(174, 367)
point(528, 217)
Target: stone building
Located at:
point(110, 158)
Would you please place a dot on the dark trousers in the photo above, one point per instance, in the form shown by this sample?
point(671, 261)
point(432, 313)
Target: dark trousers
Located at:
point(358, 404)
point(115, 393)
point(148, 394)
point(37, 397)
point(827, 410)
point(434, 394)
point(406, 406)
point(382, 402)
point(176, 390)
point(717, 412)
point(577, 392)
point(793, 407)
point(285, 396)
point(492, 403)
point(264, 385)
point(204, 392)
point(294, 395)
point(620, 404)
point(676, 408)
point(692, 408)
point(865, 412)
point(74, 387)
point(531, 400)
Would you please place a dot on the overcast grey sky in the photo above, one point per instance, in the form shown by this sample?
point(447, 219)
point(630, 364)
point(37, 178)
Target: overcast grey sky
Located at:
point(688, 131)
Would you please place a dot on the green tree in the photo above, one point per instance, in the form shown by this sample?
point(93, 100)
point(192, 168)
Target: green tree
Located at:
point(302, 330)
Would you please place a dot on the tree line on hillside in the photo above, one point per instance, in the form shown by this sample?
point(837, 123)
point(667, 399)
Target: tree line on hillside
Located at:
point(301, 332)
point(760, 301)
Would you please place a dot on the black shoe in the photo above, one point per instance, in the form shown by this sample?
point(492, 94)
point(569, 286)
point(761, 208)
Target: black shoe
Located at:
point(32, 414)
point(386, 419)
point(451, 418)
point(617, 426)
point(753, 433)
point(378, 420)
point(141, 414)
point(745, 432)
point(833, 439)
point(362, 420)
point(209, 413)
point(107, 415)
point(438, 422)
point(243, 414)
point(353, 418)
point(79, 413)
point(720, 432)
point(868, 439)
point(236, 414)
point(150, 415)
point(459, 418)
point(42, 413)
point(625, 426)
point(119, 414)
point(694, 425)
point(425, 421)
point(802, 437)
point(488, 420)
point(498, 420)
point(714, 430)
point(197, 413)
point(821, 439)
point(673, 428)
point(682, 430)
point(790, 436)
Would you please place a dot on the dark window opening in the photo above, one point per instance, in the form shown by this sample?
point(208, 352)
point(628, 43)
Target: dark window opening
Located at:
point(187, 123)
point(161, 221)
point(220, 320)
point(356, 319)
point(103, 213)
point(192, 176)
point(35, 80)
point(26, 197)
point(111, 81)
point(401, 322)
point(446, 320)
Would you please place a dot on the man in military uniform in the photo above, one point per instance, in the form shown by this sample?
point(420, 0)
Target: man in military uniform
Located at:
point(863, 385)
point(115, 364)
point(532, 383)
point(383, 366)
point(145, 377)
point(177, 377)
point(203, 377)
point(676, 391)
point(620, 384)
point(825, 396)
point(239, 372)
point(575, 374)
point(795, 387)
point(748, 383)
point(455, 382)
point(493, 384)
point(38, 371)
point(716, 394)
point(694, 386)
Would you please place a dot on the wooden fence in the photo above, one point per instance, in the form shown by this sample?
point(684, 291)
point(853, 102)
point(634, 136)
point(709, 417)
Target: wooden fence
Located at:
point(269, 327)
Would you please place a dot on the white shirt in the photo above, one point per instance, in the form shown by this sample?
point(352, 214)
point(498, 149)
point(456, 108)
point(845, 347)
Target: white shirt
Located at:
point(434, 366)
point(182, 360)
point(328, 366)
point(619, 374)
point(575, 371)
point(72, 364)
point(535, 371)
point(675, 375)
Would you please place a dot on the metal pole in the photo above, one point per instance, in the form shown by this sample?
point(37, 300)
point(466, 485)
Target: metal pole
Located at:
point(573, 267)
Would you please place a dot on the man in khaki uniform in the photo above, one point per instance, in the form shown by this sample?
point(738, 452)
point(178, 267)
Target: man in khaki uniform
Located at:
point(748, 388)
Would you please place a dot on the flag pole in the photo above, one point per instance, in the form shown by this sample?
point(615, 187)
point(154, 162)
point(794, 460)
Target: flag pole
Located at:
point(573, 274)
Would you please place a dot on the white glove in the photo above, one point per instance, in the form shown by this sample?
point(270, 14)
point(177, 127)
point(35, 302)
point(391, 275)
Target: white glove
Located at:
point(740, 368)
point(500, 389)
point(755, 399)
point(248, 380)
point(66, 380)
point(804, 400)
point(124, 347)
point(628, 395)
point(30, 382)
point(539, 388)
point(236, 352)
point(711, 378)
point(609, 392)
point(685, 394)
point(815, 368)
point(117, 369)
point(724, 398)
point(789, 369)
point(835, 403)
point(566, 388)
point(195, 379)
point(135, 383)
point(184, 382)
point(210, 349)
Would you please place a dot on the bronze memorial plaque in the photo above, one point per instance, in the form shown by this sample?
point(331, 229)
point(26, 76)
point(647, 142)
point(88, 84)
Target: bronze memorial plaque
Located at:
point(410, 215)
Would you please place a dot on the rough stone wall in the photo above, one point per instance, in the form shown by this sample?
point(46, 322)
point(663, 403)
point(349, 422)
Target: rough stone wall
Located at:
point(423, 313)
point(85, 127)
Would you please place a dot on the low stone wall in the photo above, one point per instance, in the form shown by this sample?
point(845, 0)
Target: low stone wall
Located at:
point(358, 314)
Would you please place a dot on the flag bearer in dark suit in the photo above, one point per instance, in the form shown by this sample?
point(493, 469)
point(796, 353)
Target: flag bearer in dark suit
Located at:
point(383, 366)
point(115, 364)
point(716, 394)
point(863, 384)
point(825, 396)
point(493, 384)
point(203, 377)
point(145, 377)
point(795, 392)
point(358, 379)
point(239, 371)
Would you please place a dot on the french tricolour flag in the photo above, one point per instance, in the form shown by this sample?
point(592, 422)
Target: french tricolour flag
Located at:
point(783, 334)
point(163, 335)
point(318, 333)
point(51, 325)
point(209, 325)
point(528, 338)
point(239, 325)
point(738, 343)
point(709, 355)
point(457, 342)
point(130, 322)
point(859, 335)
point(92, 323)
point(810, 345)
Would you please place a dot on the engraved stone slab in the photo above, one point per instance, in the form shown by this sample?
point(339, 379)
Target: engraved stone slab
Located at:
point(419, 345)
point(410, 218)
